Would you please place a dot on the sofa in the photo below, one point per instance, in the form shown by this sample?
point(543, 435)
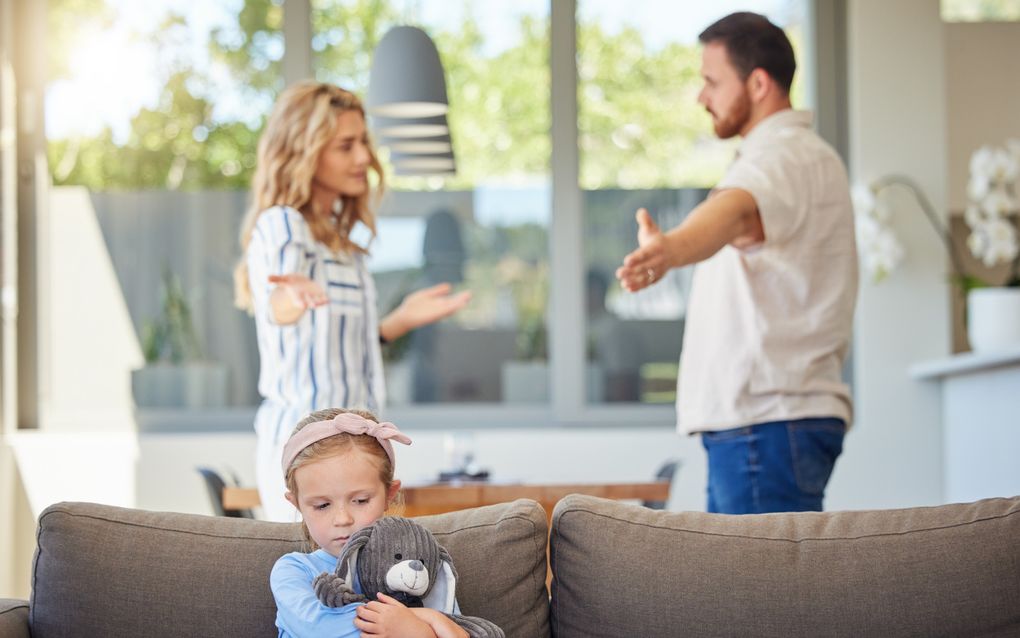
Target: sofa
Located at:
point(617, 570)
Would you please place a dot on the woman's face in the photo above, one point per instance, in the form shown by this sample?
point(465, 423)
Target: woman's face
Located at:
point(343, 163)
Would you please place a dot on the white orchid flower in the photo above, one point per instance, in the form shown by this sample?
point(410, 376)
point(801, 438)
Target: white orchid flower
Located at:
point(880, 250)
point(978, 186)
point(1004, 167)
point(994, 241)
point(982, 161)
point(974, 215)
point(883, 255)
point(863, 198)
point(998, 202)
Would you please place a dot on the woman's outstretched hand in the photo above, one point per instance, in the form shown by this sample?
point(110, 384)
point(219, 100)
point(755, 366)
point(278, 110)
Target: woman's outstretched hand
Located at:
point(302, 291)
point(422, 307)
point(293, 295)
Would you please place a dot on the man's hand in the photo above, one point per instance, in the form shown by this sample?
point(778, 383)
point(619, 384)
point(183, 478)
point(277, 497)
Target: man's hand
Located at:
point(729, 216)
point(650, 261)
point(389, 618)
point(422, 307)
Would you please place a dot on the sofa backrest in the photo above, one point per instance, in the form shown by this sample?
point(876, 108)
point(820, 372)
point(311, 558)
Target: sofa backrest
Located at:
point(109, 571)
point(621, 570)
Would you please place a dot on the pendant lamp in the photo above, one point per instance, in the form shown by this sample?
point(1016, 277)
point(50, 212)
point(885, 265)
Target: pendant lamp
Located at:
point(432, 164)
point(410, 127)
point(406, 79)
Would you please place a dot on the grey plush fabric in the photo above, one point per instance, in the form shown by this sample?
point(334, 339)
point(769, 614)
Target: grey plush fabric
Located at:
point(500, 555)
point(621, 570)
point(108, 571)
point(399, 557)
point(13, 618)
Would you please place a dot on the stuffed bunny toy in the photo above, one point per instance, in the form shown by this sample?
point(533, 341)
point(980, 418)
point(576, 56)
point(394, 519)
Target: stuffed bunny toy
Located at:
point(400, 558)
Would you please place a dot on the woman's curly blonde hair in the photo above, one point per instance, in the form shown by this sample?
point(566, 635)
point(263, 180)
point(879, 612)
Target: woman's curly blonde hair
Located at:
point(303, 121)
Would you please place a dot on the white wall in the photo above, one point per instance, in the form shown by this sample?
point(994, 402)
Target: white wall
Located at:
point(982, 94)
point(897, 121)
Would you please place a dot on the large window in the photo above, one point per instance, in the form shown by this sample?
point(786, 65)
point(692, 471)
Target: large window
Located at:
point(644, 141)
point(484, 229)
point(156, 108)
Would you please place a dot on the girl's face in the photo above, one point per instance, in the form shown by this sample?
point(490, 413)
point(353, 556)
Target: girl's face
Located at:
point(339, 495)
point(343, 163)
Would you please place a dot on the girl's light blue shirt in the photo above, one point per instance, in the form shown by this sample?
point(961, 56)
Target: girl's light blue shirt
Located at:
point(299, 613)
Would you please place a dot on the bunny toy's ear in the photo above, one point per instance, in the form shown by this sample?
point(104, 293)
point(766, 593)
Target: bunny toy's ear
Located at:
point(443, 595)
point(347, 564)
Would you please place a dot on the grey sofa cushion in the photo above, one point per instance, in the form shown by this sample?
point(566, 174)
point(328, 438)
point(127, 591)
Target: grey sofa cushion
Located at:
point(13, 618)
point(108, 571)
point(952, 570)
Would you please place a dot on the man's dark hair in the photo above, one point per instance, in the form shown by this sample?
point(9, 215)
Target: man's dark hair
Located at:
point(752, 42)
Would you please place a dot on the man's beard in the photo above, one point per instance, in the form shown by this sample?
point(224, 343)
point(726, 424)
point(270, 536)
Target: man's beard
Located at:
point(735, 121)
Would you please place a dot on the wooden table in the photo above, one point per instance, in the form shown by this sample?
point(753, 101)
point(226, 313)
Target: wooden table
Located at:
point(420, 500)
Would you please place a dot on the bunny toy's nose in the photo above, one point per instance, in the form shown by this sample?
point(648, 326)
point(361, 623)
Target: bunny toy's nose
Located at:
point(416, 565)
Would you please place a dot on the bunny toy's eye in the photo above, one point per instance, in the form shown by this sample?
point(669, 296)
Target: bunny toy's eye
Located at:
point(398, 556)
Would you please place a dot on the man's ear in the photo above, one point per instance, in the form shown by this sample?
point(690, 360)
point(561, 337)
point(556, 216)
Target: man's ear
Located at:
point(391, 493)
point(291, 498)
point(759, 84)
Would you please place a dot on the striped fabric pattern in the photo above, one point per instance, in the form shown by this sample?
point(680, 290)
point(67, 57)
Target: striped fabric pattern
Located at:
point(328, 358)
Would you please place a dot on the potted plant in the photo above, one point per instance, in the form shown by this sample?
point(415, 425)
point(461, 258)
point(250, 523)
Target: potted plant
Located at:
point(176, 373)
point(525, 379)
point(993, 300)
point(993, 309)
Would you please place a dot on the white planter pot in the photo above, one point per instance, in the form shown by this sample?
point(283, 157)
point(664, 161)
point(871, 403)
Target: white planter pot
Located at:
point(993, 318)
point(399, 382)
point(528, 382)
point(525, 382)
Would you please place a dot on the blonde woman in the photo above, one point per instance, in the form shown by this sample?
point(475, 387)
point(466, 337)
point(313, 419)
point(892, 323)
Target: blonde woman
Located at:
point(306, 282)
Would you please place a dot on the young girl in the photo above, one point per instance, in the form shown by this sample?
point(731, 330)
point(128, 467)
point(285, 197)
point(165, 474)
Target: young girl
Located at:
point(304, 278)
point(338, 466)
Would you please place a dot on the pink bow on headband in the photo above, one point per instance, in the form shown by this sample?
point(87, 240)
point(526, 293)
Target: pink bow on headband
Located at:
point(345, 422)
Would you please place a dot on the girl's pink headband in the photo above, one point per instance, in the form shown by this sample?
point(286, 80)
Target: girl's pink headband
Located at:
point(344, 422)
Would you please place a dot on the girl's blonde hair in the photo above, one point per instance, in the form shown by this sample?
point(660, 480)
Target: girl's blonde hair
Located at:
point(303, 121)
point(338, 445)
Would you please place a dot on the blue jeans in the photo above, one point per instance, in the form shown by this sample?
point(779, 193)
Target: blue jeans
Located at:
point(782, 466)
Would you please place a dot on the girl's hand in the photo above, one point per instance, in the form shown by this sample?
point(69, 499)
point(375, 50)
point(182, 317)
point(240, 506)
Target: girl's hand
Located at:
point(389, 618)
point(293, 295)
point(422, 307)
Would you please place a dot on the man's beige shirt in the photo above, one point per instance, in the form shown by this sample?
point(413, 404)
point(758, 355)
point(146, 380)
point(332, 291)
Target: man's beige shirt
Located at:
point(768, 327)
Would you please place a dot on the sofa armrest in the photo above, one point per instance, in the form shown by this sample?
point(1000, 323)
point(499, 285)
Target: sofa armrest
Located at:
point(13, 618)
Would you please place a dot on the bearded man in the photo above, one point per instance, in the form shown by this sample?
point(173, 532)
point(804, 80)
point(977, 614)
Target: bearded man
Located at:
point(772, 299)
